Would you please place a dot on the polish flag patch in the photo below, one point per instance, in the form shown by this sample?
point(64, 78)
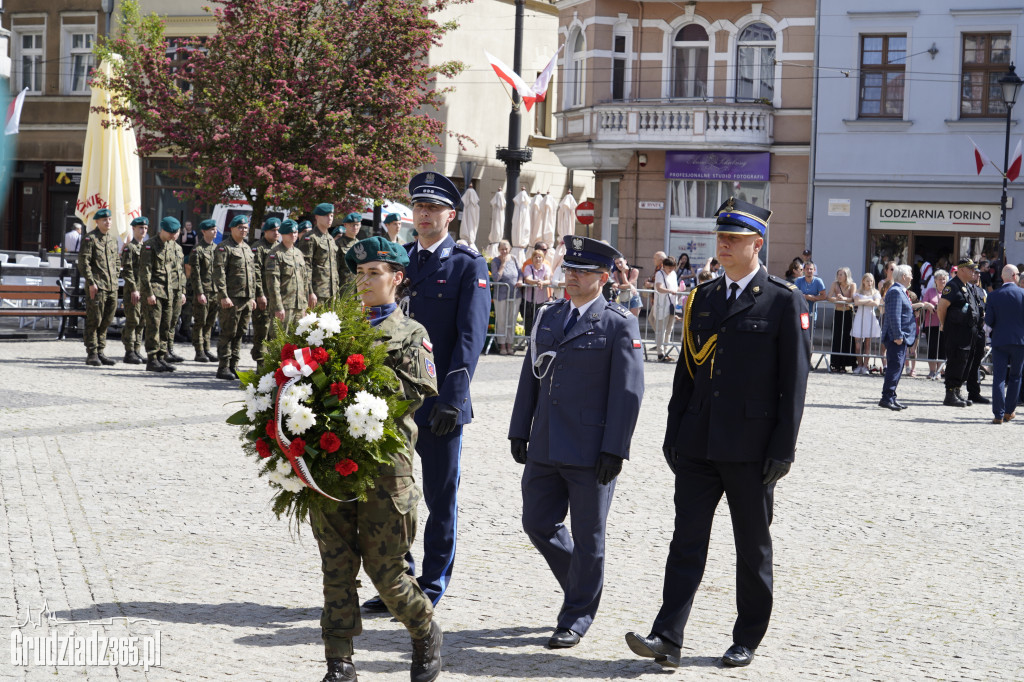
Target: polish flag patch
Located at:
point(637, 344)
point(482, 283)
point(428, 346)
point(805, 321)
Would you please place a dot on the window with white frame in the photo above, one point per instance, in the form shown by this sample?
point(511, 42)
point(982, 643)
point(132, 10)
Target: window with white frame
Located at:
point(80, 59)
point(30, 60)
point(690, 62)
point(755, 63)
point(575, 72)
point(701, 198)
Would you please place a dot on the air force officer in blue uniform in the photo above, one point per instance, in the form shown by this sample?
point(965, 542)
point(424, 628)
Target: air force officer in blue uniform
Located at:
point(1004, 313)
point(449, 296)
point(575, 410)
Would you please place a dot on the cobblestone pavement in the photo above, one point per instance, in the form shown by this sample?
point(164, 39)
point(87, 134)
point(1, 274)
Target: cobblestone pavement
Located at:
point(124, 496)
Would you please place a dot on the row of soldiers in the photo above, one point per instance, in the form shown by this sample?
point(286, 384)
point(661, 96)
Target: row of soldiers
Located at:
point(292, 266)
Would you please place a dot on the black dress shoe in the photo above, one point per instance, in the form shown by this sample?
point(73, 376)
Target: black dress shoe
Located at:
point(891, 404)
point(978, 398)
point(563, 638)
point(340, 670)
point(899, 404)
point(738, 656)
point(653, 646)
point(375, 605)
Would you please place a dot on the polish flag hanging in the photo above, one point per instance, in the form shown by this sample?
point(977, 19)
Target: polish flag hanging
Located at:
point(529, 95)
point(14, 113)
point(1013, 170)
point(540, 86)
point(980, 160)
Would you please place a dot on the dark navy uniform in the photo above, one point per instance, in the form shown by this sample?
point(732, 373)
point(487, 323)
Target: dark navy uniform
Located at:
point(973, 379)
point(1004, 313)
point(963, 317)
point(585, 404)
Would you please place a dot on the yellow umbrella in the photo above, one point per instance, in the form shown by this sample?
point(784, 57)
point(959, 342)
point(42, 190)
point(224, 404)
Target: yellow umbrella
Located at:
point(110, 168)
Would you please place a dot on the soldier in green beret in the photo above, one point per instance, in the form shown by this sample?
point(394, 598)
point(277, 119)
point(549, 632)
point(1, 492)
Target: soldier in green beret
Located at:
point(286, 279)
point(177, 297)
point(131, 253)
point(234, 280)
point(261, 316)
point(99, 264)
point(345, 237)
point(204, 309)
point(378, 533)
point(393, 223)
point(321, 256)
point(161, 286)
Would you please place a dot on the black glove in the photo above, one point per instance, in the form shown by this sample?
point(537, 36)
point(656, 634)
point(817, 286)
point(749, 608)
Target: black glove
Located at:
point(671, 456)
point(519, 450)
point(774, 470)
point(608, 467)
point(443, 419)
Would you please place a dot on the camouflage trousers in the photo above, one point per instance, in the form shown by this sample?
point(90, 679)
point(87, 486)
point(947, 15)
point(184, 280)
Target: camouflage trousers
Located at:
point(379, 532)
point(158, 324)
point(204, 315)
point(260, 328)
point(99, 314)
point(131, 334)
point(234, 323)
point(175, 303)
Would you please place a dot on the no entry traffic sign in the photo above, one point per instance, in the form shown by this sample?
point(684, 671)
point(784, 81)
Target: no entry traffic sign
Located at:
point(585, 212)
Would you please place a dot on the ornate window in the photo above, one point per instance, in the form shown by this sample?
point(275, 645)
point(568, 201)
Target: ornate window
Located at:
point(575, 71)
point(690, 62)
point(755, 63)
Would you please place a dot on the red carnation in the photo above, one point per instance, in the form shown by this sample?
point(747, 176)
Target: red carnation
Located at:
point(329, 442)
point(297, 448)
point(346, 467)
point(320, 355)
point(339, 389)
point(279, 376)
point(356, 363)
point(288, 351)
point(271, 430)
point(262, 448)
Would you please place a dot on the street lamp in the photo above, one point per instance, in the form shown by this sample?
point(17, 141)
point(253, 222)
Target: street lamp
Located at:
point(1010, 85)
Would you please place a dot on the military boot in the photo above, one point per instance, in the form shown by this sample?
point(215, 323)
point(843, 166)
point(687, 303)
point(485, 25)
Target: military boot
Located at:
point(140, 356)
point(154, 365)
point(223, 372)
point(233, 367)
point(340, 670)
point(171, 356)
point(426, 656)
point(93, 360)
point(967, 401)
point(105, 360)
point(201, 356)
point(209, 355)
point(131, 359)
point(162, 359)
point(978, 398)
point(953, 398)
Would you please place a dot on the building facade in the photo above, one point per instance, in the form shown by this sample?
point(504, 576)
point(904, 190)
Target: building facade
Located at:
point(901, 95)
point(676, 107)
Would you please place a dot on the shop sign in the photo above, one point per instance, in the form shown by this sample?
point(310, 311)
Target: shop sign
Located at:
point(736, 166)
point(892, 216)
point(839, 208)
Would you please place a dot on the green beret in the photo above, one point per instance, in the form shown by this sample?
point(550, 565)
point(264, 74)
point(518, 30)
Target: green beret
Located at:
point(170, 224)
point(353, 218)
point(334, 230)
point(271, 223)
point(240, 219)
point(287, 226)
point(305, 225)
point(208, 224)
point(141, 220)
point(323, 209)
point(376, 249)
point(102, 213)
point(392, 218)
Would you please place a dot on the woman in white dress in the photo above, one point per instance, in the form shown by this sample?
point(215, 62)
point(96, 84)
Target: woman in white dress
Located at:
point(865, 323)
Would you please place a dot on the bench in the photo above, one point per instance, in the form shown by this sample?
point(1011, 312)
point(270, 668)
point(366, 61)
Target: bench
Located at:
point(28, 294)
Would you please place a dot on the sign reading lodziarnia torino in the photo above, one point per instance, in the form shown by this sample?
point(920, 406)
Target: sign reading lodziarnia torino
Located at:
point(893, 216)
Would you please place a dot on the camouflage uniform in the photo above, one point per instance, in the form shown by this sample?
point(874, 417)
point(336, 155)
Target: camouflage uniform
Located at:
point(201, 280)
point(99, 264)
point(176, 299)
point(381, 530)
point(286, 282)
point(322, 261)
point(131, 335)
point(161, 274)
point(260, 318)
point(234, 277)
point(344, 243)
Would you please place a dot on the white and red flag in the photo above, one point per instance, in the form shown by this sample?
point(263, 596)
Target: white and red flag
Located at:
point(980, 160)
point(1013, 170)
point(14, 113)
point(529, 94)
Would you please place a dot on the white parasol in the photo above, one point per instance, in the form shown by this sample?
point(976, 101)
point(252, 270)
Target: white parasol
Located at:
point(497, 224)
point(521, 225)
point(470, 216)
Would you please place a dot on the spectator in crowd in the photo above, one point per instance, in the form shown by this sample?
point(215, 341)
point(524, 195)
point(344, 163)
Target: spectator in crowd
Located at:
point(983, 276)
point(657, 259)
point(929, 303)
point(865, 323)
point(1004, 313)
point(73, 239)
point(927, 274)
point(713, 266)
point(685, 273)
point(537, 278)
point(505, 271)
point(795, 271)
point(841, 294)
point(883, 288)
point(624, 278)
point(804, 257)
point(188, 239)
point(910, 364)
point(704, 277)
point(812, 288)
point(666, 288)
point(899, 331)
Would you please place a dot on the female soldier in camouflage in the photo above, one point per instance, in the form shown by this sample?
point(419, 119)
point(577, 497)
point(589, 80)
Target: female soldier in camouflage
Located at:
point(381, 530)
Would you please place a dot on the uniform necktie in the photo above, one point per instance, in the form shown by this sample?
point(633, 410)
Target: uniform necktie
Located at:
point(424, 256)
point(733, 294)
point(573, 317)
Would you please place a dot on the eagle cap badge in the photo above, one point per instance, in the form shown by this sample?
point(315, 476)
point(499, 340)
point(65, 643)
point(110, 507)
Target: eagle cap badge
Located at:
point(577, 243)
point(730, 204)
point(360, 251)
point(429, 179)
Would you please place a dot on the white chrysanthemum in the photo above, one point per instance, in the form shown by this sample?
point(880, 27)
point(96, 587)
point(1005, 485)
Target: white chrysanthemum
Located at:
point(357, 429)
point(284, 467)
point(356, 412)
point(329, 323)
point(250, 391)
point(301, 419)
point(292, 484)
point(289, 403)
point(274, 477)
point(375, 432)
point(267, 384)
point(263, 402)
point(315, 337)
point(251, 412)
point(378, 407)
point(300, 392)
point(306, 323)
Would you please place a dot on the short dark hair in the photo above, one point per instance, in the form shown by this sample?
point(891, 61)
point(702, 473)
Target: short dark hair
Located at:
point(668, 262)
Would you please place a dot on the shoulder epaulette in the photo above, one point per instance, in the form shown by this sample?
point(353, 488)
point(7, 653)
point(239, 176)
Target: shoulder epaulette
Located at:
point(710, 281)
point(782, 283)
point(468, 249)
point(618, 308)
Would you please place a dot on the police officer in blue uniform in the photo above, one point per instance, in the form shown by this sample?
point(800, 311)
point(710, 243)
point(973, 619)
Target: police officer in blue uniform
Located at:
point(733, 419)
point(449, 296)
point(575, 410)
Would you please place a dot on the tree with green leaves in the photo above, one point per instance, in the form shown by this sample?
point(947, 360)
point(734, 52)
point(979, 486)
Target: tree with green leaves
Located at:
point(295, 102)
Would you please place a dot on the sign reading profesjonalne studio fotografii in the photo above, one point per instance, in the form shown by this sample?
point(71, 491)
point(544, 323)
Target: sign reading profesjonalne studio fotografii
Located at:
point(736, 166)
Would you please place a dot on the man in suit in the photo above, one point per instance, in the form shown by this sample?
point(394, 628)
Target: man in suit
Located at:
point(450, 297)
point(575, 410)
point(733, 419)
point(899, 331)
point(1004, 313)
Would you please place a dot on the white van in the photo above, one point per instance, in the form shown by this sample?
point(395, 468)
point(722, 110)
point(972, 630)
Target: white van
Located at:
point(223, 214)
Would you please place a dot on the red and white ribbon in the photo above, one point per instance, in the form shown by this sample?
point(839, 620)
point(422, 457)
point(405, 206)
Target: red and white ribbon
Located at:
point(302, 366)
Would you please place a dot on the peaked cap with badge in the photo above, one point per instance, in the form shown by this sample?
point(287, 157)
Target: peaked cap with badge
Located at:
point(435, 188)
point(741, 217)
point(376, 249)
point(584, 253)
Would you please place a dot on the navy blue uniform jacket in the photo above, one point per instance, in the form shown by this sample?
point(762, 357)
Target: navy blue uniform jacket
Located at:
point(589, 400)
point(451, 298)
point(745, 403)
point(1004, 312)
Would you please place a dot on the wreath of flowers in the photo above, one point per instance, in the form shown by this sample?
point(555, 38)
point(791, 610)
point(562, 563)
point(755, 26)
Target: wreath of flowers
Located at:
point(319, 415)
